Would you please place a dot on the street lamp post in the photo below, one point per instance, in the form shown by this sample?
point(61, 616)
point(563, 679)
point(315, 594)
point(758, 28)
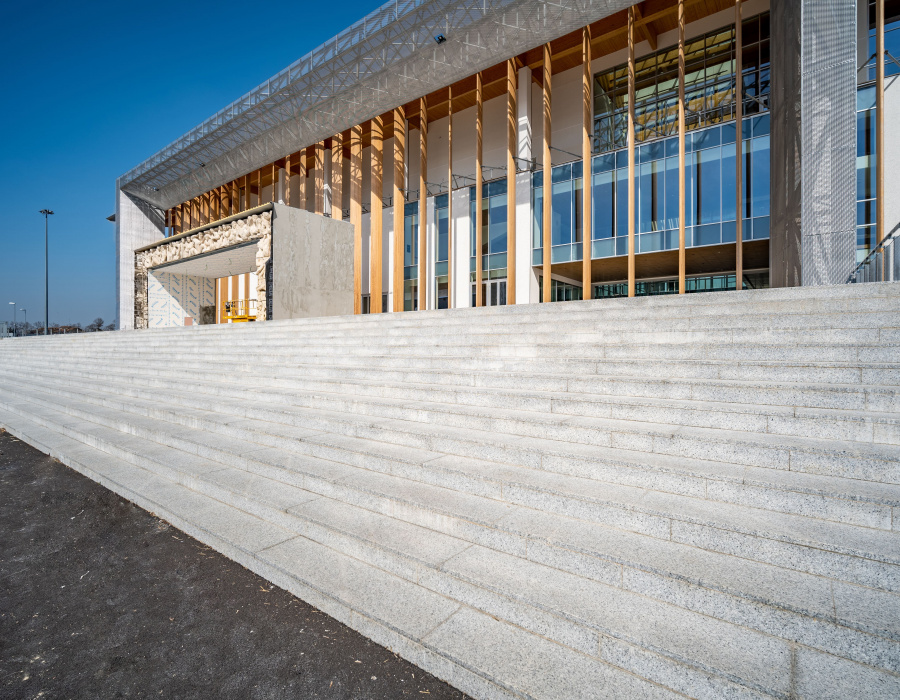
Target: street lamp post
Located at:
point(14, 318)
point(46, 213)
point(25, 321)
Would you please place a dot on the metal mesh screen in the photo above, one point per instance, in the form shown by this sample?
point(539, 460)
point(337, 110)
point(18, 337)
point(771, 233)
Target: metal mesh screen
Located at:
point(386, 59)
point(828, 79)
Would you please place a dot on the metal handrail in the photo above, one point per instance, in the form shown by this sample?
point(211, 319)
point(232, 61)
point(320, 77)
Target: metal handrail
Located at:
point(882, 249)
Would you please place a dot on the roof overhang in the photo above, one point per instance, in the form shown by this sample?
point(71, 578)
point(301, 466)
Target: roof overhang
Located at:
point(386, 59)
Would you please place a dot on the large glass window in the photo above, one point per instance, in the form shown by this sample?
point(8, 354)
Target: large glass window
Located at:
point(410, 256)
point(442, 251)
point(565, 213)
point(866, 190)
point(891, 39)
point(709, 87)
point(493, 226)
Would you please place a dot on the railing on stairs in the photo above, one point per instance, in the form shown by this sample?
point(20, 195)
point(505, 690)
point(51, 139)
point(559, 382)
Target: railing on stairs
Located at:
point(880, 265)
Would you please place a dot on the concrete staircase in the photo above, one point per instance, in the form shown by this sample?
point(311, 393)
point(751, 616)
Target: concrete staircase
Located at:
point(657, 497)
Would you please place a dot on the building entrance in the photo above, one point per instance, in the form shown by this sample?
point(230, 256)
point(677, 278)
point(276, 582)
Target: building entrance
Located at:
point(494, 293)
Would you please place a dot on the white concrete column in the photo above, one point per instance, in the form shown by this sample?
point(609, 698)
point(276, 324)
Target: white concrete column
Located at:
point(526, 284)
point(461, 285)
point(387, 255)
point(431, 235)
point(137, 224)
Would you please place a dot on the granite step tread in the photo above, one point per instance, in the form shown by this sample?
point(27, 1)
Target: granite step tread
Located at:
point(631, 508)
point(574, 600)
point(277, 423)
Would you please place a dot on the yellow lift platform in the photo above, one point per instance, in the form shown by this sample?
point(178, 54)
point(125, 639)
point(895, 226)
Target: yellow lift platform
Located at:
point(240, 310)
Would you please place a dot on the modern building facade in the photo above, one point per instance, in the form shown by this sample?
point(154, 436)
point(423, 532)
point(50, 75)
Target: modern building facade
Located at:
point(686, 146)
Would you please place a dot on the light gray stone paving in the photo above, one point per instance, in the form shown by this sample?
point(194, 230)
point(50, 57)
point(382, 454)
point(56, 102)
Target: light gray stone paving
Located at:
point(692, 496)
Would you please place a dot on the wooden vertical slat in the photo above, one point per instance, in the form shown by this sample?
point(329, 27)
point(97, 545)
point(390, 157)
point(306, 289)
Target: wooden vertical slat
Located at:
point(302, 189)
point(356, 213)
point(375, 217)
point(337, 176)
point(235, 288)
point(450, 198)
point(546, 72)
point(246, 203)
point(880, 231)
point(235, 197)
point(195, 212)
point(223, 297)
point(319, 177)
point(682, 211)
point(204, 208)
point(631, 91)
point(512, 119)
point(479, 224)
point(274, 182)
point(423, 201)
point(738, 146)
point(287, 180)
point(587, 119)
point(399, 201)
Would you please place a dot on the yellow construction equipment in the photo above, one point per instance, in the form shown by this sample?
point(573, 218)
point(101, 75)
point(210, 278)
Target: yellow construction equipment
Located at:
point(240, 310)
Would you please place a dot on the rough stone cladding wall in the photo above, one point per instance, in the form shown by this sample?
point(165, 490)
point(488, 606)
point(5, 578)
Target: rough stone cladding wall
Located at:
point(254, 227)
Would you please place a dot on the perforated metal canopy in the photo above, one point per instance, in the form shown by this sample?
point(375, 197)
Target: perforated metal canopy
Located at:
point(384, 60)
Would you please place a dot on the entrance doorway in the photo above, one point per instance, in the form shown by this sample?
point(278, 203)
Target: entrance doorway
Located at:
point(494, 293)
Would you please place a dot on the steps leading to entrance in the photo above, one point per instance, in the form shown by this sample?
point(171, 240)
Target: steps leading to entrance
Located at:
point(662, 497)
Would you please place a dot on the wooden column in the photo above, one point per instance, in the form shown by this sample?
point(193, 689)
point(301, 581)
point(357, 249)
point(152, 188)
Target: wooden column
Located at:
point(587, 122)
point(479, 157)
point(399, 201)
point(738, 146)
point(235, 197)
point(547, 220)
point(682, 212)
point(319, 177)
point(356, 213)
point(421, 262)
point(512, 148)
point(274, 182)
point(337, 176)
point(246, 203)
point(631, 91)
point(204, 208)
point(377, 191)
point(301, 171)
point(450, 197)
point(195, 212)
point(223, 297)
point(287, 180)
point(880, 231)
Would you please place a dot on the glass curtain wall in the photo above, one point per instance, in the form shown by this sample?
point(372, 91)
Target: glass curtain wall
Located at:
point(866, 186)
point(565, 213)
point(441, 251)
point(411, 256)
point(709, 154)
point(493, 232)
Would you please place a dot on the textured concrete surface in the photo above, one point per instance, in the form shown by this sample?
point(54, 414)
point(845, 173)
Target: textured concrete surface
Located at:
point(312, 259)
point(100, 599)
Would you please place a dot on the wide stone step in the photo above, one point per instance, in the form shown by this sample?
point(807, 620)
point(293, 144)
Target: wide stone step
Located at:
point(658, 514)
point(828, 498)
point(745, 370)
point(866, 461)
point(646, 637)
point(513, 390)
point(547, 409)
point(868, 392)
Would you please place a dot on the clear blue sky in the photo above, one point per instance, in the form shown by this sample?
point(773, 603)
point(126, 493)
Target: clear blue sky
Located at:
point(91, 90)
